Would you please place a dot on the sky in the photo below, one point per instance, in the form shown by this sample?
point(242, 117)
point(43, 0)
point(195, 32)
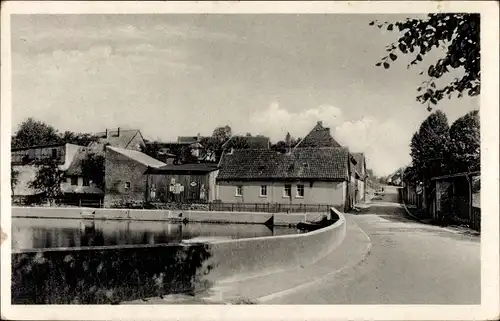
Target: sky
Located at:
point(175, 75)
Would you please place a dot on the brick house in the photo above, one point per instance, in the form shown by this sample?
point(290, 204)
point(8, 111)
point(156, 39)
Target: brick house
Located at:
point(306, 175)
point(125, 179)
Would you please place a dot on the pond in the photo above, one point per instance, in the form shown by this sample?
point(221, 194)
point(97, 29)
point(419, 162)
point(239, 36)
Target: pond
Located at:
point(37, 233)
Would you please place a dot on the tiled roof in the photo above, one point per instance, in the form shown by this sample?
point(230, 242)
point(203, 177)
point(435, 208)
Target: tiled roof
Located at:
point(319, 136)
point(122, 140)
point(138, 157)
point(202, 168)
point(302, 163)
point(254, 142)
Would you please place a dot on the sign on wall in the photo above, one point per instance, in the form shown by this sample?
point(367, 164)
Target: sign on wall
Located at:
point(176, 188)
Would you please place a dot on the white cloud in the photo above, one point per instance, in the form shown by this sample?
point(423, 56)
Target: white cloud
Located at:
point(276, 121)
point(385, 144)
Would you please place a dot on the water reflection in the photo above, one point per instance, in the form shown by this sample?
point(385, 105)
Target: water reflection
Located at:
point(29, 233)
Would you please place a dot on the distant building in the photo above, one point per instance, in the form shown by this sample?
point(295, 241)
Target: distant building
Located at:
point(125, 177)
point(120, 138)
point(318, 175)
point(362, 174)
point(68, 156)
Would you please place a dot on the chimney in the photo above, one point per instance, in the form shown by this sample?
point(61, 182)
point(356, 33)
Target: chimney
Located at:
point(288, 142)
point(320, 122)
point(106, 133)
point(118, 134)
point(198, 137)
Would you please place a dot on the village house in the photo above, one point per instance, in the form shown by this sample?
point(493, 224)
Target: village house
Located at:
point(125, 179)
point(360, 168)
point(307, 175)
point(184, 183)
point(319, 136)
point(75, 186)
point(120, 138)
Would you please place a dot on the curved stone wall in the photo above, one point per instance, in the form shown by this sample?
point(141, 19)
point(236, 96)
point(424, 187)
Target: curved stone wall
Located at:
point(238, 259)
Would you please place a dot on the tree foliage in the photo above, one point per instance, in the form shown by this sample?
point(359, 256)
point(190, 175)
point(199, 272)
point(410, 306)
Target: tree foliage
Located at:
point(437, 149)
point(48, 179)
point(237, 142)
point(281, 145)
point(151, 148)
point(93, 168)
point(82, 139)
point(33, 132)
point(186, 156)
point(458, 34)
point(429, 146)
point(222, 133)
point(465, 143)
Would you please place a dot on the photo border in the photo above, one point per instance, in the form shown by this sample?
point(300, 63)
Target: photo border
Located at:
point(489, 113)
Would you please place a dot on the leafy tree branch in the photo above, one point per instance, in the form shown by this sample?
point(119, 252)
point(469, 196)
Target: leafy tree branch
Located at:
point(458, 34)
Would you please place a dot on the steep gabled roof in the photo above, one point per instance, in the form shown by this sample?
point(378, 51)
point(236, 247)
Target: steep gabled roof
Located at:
point(75, 167)
point(360, 163)
point(323, 164)
point(138, 157)
point(120, 140)
point(319, 136)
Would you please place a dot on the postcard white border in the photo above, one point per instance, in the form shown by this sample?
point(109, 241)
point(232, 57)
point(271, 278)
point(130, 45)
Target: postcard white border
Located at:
point(490, 289)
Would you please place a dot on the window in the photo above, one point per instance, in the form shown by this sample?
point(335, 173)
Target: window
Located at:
point(263, 190)
point(239, 191)
point(287, 191)
point(54, 153)
point(74, 180)
point(300, 191)
point(127, 185)
point(86, 181)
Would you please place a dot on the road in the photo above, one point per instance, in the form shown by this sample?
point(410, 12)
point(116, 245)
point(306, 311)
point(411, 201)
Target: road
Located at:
point(409, 263)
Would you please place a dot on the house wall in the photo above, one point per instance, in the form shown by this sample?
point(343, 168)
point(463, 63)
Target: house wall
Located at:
point(39, 154)
point(160, 184)
point(212, 182)
point(361, 190)
point(27, 173)
point(119, 170)
point(325, 193)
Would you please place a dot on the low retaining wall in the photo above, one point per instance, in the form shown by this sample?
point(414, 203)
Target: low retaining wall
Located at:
point(105, 275)
point(165, 215)
point(236, 259)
